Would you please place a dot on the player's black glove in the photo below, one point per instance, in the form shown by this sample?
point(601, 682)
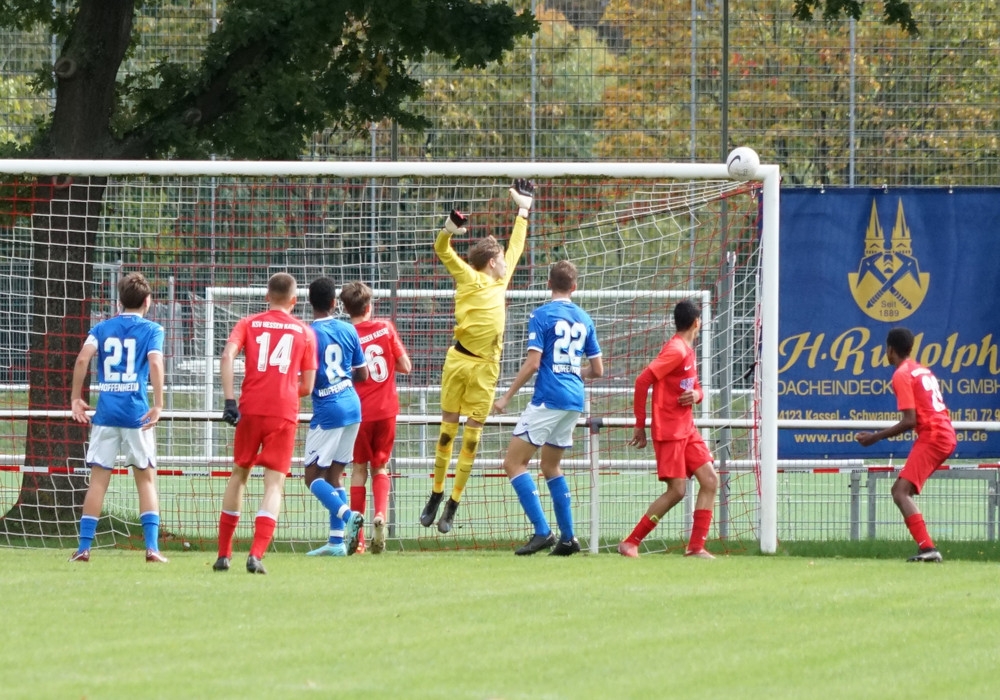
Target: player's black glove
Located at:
point(230, 413)
point(456, 222)
point(521, 192)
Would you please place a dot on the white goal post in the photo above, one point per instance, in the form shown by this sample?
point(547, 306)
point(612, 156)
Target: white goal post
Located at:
point(765, 426)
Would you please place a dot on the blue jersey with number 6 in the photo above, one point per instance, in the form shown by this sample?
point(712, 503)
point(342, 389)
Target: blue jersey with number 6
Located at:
point(564, 334)
point(335, 402)
point(124, 344)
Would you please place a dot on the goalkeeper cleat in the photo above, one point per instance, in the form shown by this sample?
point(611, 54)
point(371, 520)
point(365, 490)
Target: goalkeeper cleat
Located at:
point(536, 544)
point(329, 550)
point(448, 518)
point(352, 531)
point(565, 548)
point(628, 549)
point(254, 565)
point(928, 554)
point(699, 554)
point(430, 511)
point(221, 564)
point(378, 539)
point(81, 555)
point(153, 556)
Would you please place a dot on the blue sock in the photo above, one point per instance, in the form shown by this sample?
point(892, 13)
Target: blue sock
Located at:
point(561, 503)
point(88, 530)
point(151, 529)
point(336, 529)
point(330, 498)
point(333, 502)
point(527, 494)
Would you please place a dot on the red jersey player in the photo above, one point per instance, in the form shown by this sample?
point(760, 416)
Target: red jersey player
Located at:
point(281, 361)
point(918, 397)
point(679, 449)
point(386, 355)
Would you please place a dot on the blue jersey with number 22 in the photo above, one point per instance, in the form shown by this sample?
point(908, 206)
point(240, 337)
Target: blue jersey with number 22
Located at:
point(564, 334)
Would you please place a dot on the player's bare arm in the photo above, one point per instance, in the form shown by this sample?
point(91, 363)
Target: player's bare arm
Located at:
point(404, 365)
point(528, 368)
point(359, 374)
point(907, 422)
point(689, 398)
point(307, 380)
point(593, 370)
point(80, 369)
point(156, 375)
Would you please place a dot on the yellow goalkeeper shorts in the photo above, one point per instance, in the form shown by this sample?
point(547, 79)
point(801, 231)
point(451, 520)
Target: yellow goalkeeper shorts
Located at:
point(468, 385)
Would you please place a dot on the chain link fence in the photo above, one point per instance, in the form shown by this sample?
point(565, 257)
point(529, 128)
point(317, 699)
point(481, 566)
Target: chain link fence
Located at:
point(833, 103)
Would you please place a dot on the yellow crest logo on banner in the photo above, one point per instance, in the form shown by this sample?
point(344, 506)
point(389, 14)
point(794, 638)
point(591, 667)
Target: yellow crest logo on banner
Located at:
point(888, 285)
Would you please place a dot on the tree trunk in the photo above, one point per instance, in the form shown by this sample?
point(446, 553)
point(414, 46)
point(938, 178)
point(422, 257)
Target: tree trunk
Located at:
point(63, 233)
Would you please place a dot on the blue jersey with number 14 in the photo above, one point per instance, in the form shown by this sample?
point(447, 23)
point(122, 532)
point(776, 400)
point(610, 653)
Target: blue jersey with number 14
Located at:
point(335, 402)
point(564, 334)
point(124, 344)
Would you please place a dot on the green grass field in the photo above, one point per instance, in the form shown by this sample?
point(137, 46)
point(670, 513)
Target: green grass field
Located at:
point(472, 625)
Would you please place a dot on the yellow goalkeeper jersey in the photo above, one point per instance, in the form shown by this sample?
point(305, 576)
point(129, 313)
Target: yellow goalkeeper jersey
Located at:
point(480, 306)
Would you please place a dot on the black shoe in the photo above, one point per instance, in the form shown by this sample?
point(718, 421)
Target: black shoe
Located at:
point(536, 544)
point(927, 554)
point(565, 548)
point(430, 512)
point(254, 566)
point(221, 564)
point(448, 518)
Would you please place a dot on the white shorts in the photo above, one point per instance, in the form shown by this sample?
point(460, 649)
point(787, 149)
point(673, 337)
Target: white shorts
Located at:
point(106, 442)
point(326, 446)
point(547, 426)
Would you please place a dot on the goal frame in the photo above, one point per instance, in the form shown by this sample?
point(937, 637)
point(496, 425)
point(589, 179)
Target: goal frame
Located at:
point(767, 174)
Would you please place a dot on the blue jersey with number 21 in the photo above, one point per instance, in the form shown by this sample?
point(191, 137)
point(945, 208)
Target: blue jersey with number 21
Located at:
point(564, 334)
point(124, 344)
point(335, 402)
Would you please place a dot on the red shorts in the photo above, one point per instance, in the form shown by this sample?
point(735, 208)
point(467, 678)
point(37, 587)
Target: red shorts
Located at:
point(374, 442)
point(265, 440)
point(926, 457)
point(680, 459)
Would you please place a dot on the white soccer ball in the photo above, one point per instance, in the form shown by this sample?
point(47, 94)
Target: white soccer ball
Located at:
point(742, 163)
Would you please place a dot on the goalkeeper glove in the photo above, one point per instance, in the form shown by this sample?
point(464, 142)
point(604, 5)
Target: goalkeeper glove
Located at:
point(230, 413)
point(521, 192)
point(456, 222)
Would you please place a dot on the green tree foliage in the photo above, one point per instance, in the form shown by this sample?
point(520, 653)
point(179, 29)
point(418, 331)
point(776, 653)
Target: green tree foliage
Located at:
point(894, 12)
point(270, 75)
point(573, 69)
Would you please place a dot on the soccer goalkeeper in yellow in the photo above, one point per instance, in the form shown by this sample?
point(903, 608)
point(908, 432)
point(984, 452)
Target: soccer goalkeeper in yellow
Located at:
point(472, 365)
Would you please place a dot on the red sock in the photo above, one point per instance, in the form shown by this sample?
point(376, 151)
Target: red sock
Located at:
point(699, 530)
point(643, 528)
point(359, 498)
point(915, 524)
point(227, 528)
point(380, 492)
point(263, 531)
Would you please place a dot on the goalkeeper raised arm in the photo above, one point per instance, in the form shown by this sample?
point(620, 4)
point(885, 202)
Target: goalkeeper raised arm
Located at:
point(472, 364)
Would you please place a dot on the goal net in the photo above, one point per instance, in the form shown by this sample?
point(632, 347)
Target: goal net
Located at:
point(208, 236)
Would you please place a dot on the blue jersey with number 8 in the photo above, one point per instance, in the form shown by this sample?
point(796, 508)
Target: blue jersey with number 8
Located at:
point(335, 401)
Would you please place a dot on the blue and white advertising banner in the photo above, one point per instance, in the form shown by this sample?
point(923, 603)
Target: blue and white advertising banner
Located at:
point(856, 263)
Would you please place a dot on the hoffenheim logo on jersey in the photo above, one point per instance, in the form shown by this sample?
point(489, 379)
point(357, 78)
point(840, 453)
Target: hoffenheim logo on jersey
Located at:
point(888, 285)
